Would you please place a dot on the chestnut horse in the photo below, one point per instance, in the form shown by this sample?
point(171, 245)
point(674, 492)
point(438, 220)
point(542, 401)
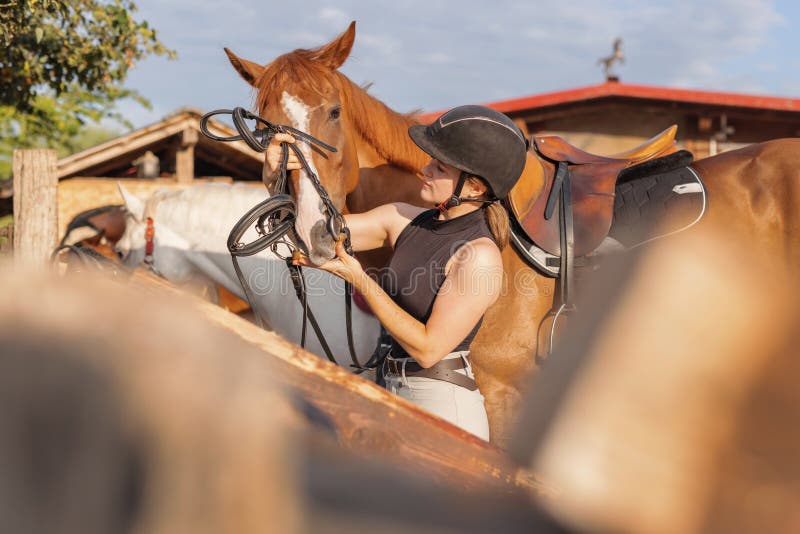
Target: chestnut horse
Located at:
point(376, 163)
point(99, 228)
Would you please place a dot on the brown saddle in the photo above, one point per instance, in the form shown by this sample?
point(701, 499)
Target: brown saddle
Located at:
point(593, 179)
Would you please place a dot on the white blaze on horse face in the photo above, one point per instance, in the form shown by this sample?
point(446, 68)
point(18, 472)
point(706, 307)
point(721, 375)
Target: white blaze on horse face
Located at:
point(309, 204)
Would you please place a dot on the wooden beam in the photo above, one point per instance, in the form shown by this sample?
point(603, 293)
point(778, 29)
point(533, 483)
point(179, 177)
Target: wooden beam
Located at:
point(233, 163)
point(184, 158)
point(82, 162)
point(368, 419)
point(35, 206)
point(146, 420)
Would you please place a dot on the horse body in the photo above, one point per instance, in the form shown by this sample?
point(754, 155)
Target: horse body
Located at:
point(191, 231)
point(747, 191)
point(754, 192)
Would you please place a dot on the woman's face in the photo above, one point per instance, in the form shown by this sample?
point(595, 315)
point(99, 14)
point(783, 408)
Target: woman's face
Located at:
point(438, 181)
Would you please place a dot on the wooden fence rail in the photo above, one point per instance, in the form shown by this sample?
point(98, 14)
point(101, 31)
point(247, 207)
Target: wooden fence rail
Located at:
point(368, 419)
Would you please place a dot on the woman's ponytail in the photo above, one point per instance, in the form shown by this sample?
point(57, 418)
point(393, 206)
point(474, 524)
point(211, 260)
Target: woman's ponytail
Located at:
point(497, 220)
point(496, 216)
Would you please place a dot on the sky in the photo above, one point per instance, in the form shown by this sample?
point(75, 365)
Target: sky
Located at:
point(435, 54)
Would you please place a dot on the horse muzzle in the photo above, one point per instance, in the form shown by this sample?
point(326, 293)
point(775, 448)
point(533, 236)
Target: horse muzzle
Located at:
point(322, 246)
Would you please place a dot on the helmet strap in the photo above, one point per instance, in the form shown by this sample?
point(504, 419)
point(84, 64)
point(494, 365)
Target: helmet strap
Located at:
point(456, 199)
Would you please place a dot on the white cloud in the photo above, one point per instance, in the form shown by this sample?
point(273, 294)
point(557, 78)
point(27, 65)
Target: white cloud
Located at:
point(437, 58)
point(334, 17)
point(305, 39)
point(438, 53)
point(382, 44)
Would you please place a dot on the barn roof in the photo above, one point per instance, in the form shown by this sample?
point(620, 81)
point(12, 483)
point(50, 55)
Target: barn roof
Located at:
point(618, 90)
point(235, 158)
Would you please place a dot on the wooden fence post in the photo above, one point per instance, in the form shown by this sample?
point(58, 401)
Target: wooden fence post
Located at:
point(35, 205)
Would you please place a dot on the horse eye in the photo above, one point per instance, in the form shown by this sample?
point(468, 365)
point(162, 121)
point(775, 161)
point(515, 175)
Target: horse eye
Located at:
point(335, 113)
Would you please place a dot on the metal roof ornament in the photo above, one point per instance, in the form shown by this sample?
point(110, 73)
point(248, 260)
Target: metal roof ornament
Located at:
point(617, 56)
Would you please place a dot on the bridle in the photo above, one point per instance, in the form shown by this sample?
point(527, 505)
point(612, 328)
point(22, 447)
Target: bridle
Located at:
point(259, 139)
point(275, 217)
point(150, 232)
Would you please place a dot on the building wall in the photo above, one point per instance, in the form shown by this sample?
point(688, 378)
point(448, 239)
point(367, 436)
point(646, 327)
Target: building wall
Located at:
point(610, 128)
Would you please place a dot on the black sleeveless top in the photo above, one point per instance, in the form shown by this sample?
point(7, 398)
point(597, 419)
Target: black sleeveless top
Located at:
point(417, 269)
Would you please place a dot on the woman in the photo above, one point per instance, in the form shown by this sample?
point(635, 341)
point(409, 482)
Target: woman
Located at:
point(446, 269)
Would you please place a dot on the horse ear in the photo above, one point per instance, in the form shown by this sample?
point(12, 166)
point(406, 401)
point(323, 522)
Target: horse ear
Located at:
point(248, 70)
point(335, 53)
point(133, 204)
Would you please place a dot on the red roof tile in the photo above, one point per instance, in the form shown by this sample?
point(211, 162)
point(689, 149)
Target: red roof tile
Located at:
point(646, 92)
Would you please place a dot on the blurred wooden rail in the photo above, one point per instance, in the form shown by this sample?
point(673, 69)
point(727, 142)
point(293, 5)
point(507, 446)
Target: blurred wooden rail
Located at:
point(369, 419)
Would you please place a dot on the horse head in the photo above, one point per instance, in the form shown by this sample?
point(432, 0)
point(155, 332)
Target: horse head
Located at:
point(169, 248)
point(99, 228)
point(303, 89)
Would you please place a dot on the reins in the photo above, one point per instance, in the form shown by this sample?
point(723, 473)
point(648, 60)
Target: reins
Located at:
point(275, 217)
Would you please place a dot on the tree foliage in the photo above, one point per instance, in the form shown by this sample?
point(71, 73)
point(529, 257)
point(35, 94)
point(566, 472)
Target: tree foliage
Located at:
point(63, 64)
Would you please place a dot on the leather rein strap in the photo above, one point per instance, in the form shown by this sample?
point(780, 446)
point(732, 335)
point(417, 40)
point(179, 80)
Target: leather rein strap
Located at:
point(275, 217)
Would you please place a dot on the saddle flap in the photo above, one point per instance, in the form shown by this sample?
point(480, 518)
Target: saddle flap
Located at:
point(592, 206)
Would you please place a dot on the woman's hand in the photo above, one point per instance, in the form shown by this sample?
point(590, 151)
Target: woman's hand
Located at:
point(343, 265)
point(274, 156)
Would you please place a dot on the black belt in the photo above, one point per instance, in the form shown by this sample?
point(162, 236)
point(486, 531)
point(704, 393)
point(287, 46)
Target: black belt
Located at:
point(444, 370)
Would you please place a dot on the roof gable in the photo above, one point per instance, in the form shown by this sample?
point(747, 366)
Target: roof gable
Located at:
point(235, 157)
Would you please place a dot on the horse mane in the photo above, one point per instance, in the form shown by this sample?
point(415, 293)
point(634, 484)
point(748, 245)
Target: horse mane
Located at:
point(383, 128)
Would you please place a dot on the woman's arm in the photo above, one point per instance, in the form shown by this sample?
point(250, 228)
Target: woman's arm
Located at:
point(379, 227)
point(471, 286)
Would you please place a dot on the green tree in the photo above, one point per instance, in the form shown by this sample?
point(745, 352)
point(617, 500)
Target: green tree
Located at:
point(63, 64)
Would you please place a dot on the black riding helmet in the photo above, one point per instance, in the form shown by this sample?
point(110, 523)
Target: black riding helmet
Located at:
point(479, 141)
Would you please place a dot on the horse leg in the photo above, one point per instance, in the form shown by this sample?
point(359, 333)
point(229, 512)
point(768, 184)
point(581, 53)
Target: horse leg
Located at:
point(503, 352)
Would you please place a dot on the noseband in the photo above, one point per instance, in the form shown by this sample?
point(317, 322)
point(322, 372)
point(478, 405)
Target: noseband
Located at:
point(275, 217)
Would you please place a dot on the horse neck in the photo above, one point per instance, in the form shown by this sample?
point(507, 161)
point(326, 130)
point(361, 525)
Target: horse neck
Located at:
point(382, 128)
point(167, 220)
point(203, 215)
point(388, 159)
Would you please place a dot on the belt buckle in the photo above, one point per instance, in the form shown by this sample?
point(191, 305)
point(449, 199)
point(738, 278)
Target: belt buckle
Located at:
point(395, 366)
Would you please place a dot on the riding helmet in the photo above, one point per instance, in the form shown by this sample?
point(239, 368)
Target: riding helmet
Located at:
point(479, 141)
